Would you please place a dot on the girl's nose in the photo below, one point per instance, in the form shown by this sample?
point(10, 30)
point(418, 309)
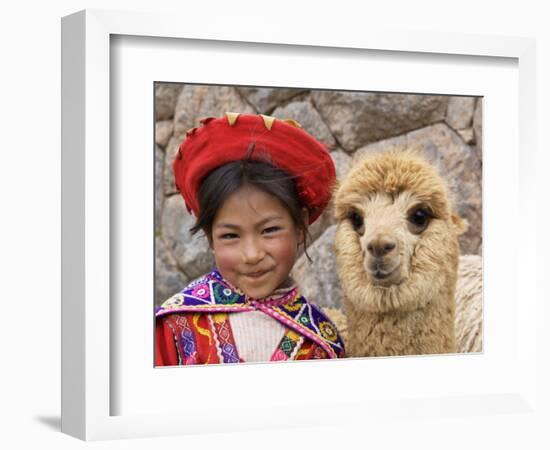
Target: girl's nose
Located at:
point(252, 251)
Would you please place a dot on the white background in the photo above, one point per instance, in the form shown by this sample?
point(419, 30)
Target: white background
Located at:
point(30, 225)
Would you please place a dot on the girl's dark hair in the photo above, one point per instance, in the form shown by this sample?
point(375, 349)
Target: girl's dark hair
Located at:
point(219, 184)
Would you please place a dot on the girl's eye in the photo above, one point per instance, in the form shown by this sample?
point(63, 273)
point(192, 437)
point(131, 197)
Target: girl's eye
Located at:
point(418, 219)
point(271, 230)
point(229, 236)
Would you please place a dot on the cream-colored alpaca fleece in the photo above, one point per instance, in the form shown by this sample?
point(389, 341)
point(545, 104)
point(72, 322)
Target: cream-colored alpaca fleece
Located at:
point(415, 313)
point(469, 308)
point(469, 305)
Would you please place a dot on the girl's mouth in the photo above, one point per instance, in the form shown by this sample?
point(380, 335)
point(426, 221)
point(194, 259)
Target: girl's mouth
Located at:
point(256, 274)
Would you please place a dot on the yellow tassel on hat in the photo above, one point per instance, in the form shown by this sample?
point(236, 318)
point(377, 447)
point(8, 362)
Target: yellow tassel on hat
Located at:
point(232, 117)
point(268, 121)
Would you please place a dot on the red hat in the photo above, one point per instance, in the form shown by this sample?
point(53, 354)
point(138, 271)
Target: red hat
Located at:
point(226, 139)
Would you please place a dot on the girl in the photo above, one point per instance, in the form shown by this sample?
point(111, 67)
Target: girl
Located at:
point(254, 183)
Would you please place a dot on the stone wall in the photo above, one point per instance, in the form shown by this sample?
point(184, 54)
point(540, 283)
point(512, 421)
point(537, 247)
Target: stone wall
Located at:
point(351, 124)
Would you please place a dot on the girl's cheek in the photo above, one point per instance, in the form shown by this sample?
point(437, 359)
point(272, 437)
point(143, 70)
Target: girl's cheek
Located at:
point(228, 256)
point(284, 248)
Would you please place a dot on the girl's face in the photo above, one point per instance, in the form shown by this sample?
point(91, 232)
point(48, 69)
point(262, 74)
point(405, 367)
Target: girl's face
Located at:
point(255, 241)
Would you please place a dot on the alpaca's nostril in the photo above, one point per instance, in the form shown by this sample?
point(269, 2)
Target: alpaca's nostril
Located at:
point(381, 245)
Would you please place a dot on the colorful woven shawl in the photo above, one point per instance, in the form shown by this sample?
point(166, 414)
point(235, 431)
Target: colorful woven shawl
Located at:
point(212, 294)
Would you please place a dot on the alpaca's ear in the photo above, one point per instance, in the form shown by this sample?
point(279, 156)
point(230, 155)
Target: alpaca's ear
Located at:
point(460, 225)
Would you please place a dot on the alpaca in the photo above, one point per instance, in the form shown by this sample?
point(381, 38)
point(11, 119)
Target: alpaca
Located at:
point(469, 308)
point(397, 255)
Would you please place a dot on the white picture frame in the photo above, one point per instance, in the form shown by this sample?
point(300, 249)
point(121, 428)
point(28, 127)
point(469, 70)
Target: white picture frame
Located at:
point(88, 328)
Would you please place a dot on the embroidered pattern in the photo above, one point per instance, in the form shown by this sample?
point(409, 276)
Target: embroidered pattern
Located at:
point(209, 291)
point(213, 294)
point(318, 353)
point(175, 336)
point(328, 331)
point(307, 318)
point(201, 291)
point(224, 295)
point(174, 301)
point(288, 347)
point(302, 352)
point(187, 342)
point(204, 332)
point(226, 344)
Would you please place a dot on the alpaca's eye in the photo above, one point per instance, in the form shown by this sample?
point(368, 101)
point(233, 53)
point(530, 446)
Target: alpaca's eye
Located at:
point(419, 219)
point(357, 222)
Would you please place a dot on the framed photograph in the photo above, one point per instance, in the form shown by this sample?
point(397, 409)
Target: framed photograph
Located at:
point(192, 277)
point(134, 85)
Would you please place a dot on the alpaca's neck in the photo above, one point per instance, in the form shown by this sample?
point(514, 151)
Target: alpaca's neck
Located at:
point(429, 329)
